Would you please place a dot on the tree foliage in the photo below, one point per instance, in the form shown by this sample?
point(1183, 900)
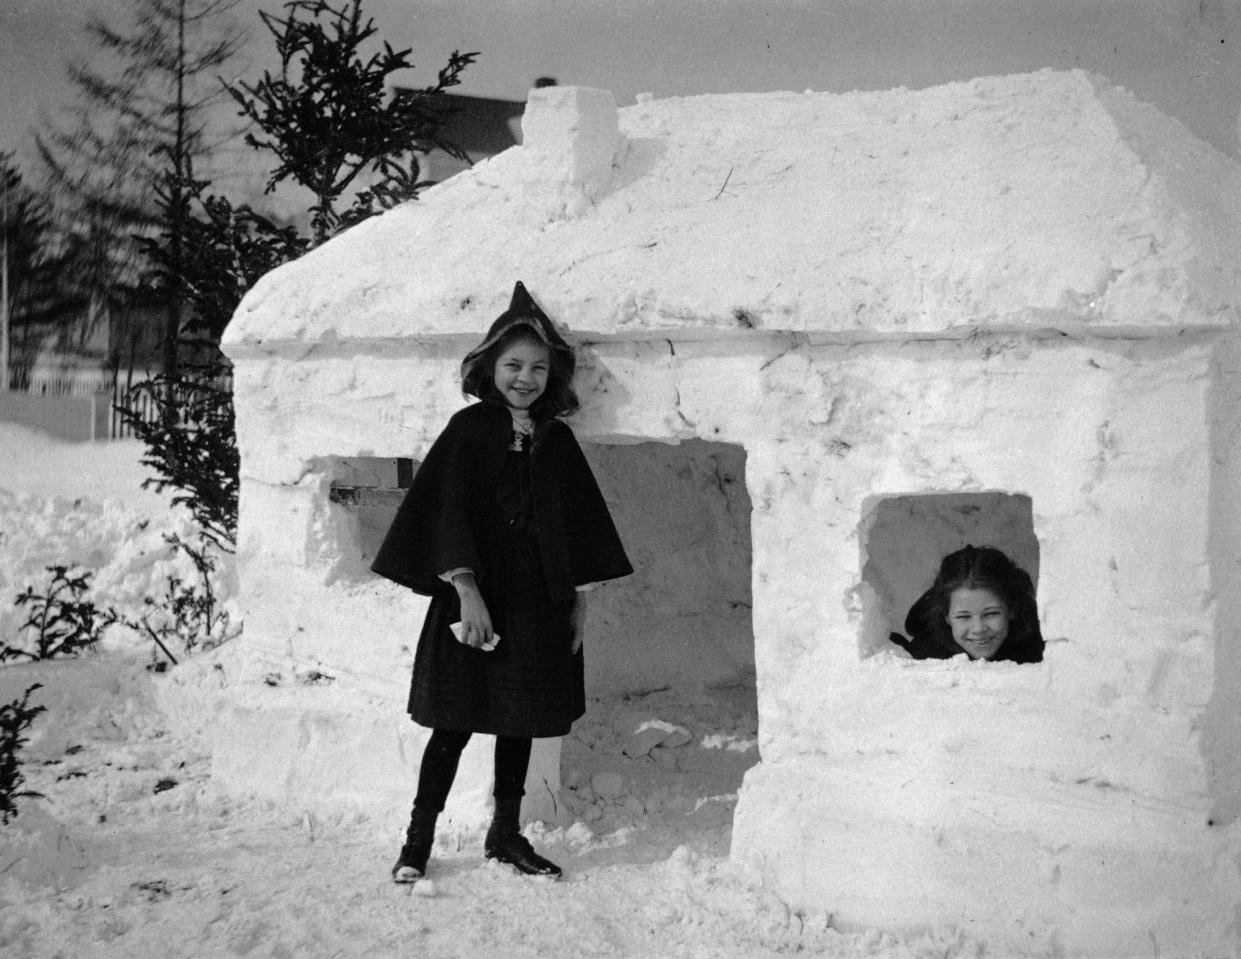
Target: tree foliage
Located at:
point(218, 253)
point(60, 617)
point(15, 718)
point(327, 116)
point(189, 614)
point(142, 114)
point(34, 293)
point(191, 440)
point(328, 119)
point(192, 444)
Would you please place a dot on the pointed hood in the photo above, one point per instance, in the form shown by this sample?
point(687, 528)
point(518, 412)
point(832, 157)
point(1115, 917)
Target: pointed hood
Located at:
point(477, 377)
point(522, 310)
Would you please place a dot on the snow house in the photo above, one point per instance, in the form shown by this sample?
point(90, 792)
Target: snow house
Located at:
point(824, 339)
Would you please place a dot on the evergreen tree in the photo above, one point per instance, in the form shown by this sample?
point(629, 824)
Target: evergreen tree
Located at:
point(328, 117)
point(30, 297)
point(220, 252)
point(142, 117)
point(191, 442)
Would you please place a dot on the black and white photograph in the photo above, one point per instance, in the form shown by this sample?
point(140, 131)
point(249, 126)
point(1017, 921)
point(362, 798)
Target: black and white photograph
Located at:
point(657, 479)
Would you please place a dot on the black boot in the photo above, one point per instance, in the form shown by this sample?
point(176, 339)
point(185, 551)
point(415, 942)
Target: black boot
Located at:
point(411, 864)
point(505, 843)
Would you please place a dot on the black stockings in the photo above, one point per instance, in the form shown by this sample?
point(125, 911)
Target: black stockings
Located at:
point(443, 753)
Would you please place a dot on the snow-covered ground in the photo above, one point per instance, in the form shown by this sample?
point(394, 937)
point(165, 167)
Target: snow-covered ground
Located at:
point(131, 852)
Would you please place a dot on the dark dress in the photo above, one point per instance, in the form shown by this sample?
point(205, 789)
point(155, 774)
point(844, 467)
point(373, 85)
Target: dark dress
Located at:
point(532, 525)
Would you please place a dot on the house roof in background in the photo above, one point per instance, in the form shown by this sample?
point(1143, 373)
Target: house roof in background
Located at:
point(481, 126)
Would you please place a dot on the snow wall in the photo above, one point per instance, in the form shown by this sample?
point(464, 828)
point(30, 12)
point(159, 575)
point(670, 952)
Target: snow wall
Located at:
point(1004, 309)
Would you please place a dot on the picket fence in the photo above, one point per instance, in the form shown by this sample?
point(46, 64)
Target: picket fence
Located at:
point(143, 404)
point(81, 408)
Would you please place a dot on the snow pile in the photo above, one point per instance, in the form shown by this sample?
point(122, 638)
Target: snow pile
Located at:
point(123, 548)
point(35, 462)
point(82, 505)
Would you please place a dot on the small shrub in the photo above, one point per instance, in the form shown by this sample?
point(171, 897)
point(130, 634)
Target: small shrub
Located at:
point(15, 719)
point(201, 622)
point(188, 613)
point(61, 620)
point(191, 442)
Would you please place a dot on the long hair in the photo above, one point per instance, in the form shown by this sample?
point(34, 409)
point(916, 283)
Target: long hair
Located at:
point(558, 399)
point(985, 567)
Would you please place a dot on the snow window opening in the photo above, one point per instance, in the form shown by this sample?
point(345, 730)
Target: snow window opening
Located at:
point(904, 538)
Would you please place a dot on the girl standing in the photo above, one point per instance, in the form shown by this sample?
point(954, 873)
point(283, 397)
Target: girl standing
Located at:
point(502, 525)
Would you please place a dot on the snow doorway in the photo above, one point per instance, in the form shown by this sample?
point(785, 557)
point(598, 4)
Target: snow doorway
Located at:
point(905, 537)
point(671, 723)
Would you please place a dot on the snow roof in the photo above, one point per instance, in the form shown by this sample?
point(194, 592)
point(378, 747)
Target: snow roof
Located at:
point(1043, 200)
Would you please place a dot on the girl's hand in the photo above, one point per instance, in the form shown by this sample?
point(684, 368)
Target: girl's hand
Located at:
point(577, 622)
point(475, 620)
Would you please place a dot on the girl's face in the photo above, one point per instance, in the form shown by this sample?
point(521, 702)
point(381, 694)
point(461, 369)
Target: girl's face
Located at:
point(979, 621)
point(521, 373)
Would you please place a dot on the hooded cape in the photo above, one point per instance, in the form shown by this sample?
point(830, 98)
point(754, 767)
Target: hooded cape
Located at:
point(434, 530)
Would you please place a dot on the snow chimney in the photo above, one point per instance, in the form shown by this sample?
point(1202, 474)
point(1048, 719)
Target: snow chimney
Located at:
point(570, 136)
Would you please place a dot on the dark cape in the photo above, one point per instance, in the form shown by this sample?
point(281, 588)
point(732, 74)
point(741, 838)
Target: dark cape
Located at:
point(533, 526)
point(932, 639)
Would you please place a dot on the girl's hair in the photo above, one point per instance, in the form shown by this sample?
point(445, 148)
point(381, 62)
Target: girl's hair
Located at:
point(558, 399)
point(984, 567)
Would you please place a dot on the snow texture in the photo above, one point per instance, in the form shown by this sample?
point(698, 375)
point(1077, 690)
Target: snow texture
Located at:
point(1005, 309)
point(81, 505)
point(133, 850)
point(1004, 201)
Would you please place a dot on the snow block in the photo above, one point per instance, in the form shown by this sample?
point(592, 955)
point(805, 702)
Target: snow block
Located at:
point(575, 127)
point(1072, 869)
point(351, 758)
point(569, 138)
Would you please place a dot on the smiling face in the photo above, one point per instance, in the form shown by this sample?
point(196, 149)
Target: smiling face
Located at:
point(521, 372)
point(979, 621)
